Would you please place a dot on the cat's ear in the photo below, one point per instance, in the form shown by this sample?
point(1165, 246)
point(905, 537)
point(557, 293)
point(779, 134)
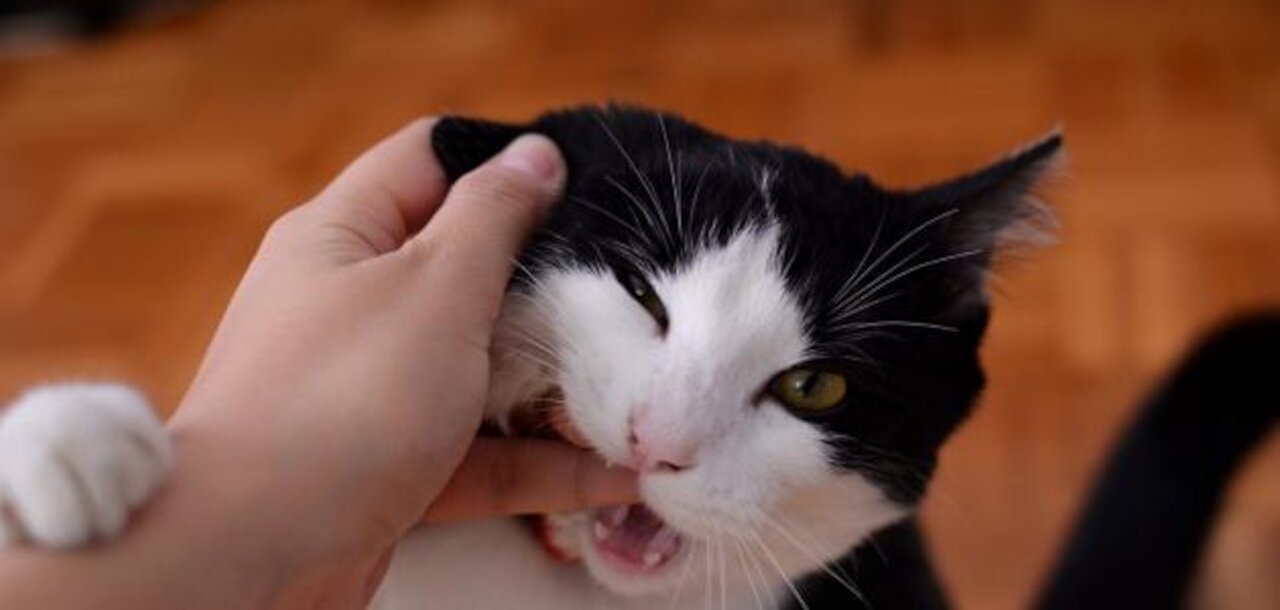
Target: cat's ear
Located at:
point(982, 213)
point(997, 206)
point(462, 144)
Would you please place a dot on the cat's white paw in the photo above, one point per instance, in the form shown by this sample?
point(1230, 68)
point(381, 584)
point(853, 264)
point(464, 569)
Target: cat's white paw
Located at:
point(74, 460)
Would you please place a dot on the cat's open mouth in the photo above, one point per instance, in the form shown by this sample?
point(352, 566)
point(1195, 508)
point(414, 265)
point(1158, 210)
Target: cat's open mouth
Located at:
point(630, 537)
point(634, 538)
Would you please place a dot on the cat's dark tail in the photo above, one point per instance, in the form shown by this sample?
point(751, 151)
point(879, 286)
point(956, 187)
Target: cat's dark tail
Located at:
point(1143, 530)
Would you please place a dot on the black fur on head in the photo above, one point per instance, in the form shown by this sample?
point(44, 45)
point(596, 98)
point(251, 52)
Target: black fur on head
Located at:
point(892, 280)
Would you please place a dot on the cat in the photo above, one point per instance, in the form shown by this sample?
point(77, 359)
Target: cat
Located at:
point(777, 347)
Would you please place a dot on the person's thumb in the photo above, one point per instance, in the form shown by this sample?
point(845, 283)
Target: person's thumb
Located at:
point(472, 241)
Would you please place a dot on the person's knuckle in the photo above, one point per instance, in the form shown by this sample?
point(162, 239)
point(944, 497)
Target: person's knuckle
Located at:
point(452, 249)
point(285, 225)
point(499, 191)
point(418, 254)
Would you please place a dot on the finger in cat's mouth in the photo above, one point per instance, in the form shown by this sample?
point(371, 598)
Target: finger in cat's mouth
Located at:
point(631, 538)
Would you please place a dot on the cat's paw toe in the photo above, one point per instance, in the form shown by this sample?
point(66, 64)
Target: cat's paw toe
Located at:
point(75, 459)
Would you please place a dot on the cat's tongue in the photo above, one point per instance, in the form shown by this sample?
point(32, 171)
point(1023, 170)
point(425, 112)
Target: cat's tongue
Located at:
point(634, 537)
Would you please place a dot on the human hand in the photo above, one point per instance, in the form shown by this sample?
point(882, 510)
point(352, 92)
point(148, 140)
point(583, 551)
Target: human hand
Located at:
point(347, 378)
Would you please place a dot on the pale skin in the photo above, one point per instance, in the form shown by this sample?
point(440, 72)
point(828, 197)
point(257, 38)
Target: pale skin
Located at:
point(338, 403)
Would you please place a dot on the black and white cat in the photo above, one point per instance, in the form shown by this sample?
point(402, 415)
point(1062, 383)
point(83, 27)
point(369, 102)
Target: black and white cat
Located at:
point(779, 349)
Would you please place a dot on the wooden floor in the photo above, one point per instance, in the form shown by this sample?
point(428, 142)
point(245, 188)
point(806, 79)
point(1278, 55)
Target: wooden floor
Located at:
point(137, 174)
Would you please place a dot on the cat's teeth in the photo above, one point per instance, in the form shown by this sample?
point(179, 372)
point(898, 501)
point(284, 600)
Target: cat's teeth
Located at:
point(601, 531)
point(664, 538)
point(652, 558)
point(615, 516)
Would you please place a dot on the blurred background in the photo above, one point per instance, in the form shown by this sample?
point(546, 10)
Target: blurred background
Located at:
point(145, 146)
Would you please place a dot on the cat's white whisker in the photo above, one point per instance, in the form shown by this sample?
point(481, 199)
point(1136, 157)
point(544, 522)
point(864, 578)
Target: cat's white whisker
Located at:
point(684, 576)
point(841, 350)
point(671, 169)
point(855, 299)
point(764, 186)
point(859, 308)
point(653, 217)
point(693, 204)
point(708, 592)
point(641, 235)
point(764, 548)
point(680, 194)
point(895, 323)
point(746, 572)
point(633, 257)
point(542, 300)
point(800, 531)
point(546, 365)
point(814, 556)
point(722, 557)
point(880, 285)
point(645, 183)
point(527, 338)
point(866, 254)
point(733, 157)
point(854, 280)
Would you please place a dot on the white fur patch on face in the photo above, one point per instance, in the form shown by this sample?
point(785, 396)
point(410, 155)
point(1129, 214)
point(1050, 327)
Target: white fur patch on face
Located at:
point(760, 479)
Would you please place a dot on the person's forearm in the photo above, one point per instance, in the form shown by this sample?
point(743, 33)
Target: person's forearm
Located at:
point(190, 548)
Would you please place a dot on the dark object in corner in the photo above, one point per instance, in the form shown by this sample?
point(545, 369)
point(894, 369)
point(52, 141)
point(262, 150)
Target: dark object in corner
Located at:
point(1142, 533)
point(81, 18)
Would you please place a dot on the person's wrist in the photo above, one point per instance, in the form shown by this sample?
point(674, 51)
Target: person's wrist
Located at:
point(279, 532)
point(237, 549)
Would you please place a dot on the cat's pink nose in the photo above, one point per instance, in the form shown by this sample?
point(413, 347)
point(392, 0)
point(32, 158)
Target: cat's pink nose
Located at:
point(655, 448)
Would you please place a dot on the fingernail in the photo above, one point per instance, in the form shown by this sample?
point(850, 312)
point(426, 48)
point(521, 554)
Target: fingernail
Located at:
point(533, 155)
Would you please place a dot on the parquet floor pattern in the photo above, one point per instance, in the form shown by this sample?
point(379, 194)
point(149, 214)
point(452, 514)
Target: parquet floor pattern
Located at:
point(137, 174)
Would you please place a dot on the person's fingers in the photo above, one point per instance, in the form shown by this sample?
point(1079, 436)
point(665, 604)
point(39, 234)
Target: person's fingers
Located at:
point(485, 220)
point(389, 192)
point(525, 476)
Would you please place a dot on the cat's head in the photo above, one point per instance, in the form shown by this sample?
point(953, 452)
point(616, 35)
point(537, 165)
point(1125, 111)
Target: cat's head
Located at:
point(777, 347)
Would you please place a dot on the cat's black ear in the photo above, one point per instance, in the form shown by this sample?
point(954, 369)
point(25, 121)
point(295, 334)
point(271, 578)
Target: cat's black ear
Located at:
point(978, 215)
point(996, 206)
point(462, 144)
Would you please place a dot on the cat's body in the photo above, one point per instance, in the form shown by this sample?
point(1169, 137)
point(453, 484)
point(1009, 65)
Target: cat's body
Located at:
point(777, 348)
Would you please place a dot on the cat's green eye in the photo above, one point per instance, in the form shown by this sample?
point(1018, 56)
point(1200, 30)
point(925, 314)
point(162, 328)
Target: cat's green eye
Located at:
point(805, 389)
point(644, 294)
